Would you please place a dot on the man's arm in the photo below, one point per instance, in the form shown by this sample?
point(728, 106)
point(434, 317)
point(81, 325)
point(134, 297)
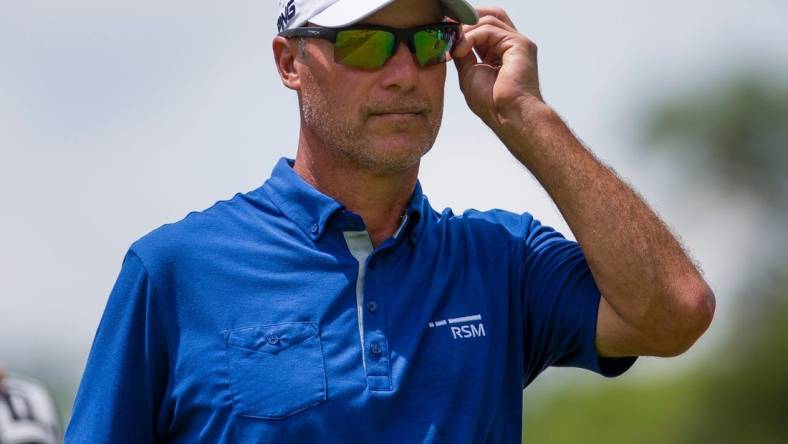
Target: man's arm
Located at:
point(122, 391)
point(654, 300)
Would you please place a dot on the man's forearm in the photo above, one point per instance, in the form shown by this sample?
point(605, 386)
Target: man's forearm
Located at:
point(640, 268)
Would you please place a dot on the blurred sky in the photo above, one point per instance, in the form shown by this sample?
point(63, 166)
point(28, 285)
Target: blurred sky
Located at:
point(117, 117)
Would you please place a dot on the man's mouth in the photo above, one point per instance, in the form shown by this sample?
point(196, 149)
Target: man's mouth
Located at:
point(399, 117)
point(394, 108)
point(399, 111)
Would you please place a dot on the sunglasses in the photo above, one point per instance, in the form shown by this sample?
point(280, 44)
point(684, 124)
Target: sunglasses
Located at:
point(370, 46)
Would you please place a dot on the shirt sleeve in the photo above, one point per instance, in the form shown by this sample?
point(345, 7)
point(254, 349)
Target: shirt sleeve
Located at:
point(119, 398)
point(560, 305)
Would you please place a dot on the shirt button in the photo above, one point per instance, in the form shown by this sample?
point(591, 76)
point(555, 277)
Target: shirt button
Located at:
point(375, 349)
point(372, 306)
point(273, 339)
point(314, 228)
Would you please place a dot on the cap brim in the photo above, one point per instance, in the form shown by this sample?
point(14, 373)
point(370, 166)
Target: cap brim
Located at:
point(348, 12)
point(461, 10)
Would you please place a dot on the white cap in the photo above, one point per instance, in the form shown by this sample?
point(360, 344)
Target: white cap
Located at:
point(336, 13)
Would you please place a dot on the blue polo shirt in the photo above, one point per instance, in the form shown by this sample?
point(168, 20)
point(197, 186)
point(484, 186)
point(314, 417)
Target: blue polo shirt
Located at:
point(270, 318)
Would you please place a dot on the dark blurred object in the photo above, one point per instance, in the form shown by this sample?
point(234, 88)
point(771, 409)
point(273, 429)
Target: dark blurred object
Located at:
point(27, 413)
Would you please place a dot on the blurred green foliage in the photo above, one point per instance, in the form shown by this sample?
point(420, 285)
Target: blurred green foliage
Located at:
point(736, 133)
point(739, 396)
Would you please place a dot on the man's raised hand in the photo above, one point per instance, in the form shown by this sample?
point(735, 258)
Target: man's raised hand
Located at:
point(507, 78)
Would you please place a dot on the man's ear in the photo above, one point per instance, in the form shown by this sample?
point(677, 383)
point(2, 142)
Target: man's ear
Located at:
point(285, 52)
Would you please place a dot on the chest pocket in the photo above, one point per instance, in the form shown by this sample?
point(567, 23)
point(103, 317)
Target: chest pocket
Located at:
point(275, 370)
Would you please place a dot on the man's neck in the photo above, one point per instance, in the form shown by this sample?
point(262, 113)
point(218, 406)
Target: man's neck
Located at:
point(380, 199)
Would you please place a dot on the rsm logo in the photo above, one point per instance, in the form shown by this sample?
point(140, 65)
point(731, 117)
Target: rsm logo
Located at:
point(462, 328)
point(467, 331)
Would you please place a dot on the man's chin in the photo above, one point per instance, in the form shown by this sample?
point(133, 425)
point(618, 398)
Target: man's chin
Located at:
point(402, 144)
point(397, 155)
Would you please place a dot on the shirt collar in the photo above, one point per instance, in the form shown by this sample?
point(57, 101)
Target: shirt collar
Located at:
point(312, 210)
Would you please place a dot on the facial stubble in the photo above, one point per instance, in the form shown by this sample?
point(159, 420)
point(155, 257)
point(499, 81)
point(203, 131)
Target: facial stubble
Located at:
point(345, 135)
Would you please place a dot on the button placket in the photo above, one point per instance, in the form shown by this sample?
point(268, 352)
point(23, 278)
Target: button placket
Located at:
point(377, 345)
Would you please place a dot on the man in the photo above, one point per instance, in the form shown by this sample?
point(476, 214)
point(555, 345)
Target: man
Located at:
point(333, 304)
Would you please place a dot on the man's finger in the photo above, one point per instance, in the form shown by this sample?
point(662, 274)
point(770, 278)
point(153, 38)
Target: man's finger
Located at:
point(488, 40)
point(480, 36)
point(490, 20)
point(498, 13)
point(463, 64)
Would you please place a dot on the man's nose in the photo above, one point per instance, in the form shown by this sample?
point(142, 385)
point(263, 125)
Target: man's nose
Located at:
point(401, 70)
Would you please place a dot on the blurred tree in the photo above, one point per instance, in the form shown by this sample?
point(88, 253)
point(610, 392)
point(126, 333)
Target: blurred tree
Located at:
point(736, 132)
